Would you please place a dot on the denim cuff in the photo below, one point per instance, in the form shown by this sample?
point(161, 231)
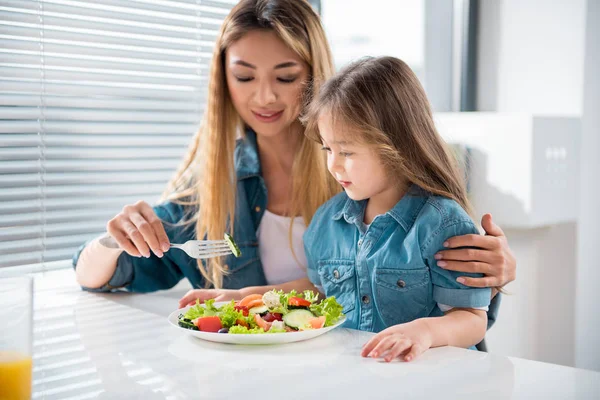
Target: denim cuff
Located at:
point(463, 298)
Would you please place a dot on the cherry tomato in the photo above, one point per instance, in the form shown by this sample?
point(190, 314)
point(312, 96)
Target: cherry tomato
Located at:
point(298, 302)
point(209, 324)
point(243, 309)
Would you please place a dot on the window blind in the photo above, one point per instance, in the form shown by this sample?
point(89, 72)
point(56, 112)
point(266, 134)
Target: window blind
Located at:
point(98, 101)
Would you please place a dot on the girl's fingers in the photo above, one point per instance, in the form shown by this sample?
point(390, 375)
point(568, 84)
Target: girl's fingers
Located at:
point(147, 232)
point(414, 352)
point(400, 347)
point(136, 237)
point(468, 266)
point(370, 345)
point(384, 344)
point(188, 298)
point(197, 294)
point(157, 226)
point(124, 243)
point(486, 256)
point(473, 240)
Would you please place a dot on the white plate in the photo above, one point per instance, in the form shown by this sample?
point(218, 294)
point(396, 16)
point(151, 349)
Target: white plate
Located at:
point(264, 338)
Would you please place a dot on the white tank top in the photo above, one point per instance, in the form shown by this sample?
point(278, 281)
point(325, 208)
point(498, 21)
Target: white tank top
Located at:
point(278, 262)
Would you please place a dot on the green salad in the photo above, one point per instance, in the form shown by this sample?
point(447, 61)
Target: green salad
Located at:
point(272, 312)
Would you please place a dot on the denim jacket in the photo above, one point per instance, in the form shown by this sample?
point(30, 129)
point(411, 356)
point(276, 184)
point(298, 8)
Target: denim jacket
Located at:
point(385, 273)
point(150, 274)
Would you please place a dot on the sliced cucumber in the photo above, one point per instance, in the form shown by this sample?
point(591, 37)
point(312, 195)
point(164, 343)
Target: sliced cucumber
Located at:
point(258, 310)
point(234, 247)
point(187, 325)
point(298, 318)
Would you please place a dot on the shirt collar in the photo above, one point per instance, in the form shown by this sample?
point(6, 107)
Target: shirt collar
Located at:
point(247, 162)
point(405, 212)
point(351, 210)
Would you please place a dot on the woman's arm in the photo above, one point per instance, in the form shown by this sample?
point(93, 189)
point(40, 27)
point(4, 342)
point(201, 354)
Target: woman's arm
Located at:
point(137, 231)
point(459, 327)
point(491, 257)
point(96, 264)
point(190, 297)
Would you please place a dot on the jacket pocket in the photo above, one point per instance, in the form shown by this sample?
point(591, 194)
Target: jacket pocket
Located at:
point(402, 295)
point(338, 279)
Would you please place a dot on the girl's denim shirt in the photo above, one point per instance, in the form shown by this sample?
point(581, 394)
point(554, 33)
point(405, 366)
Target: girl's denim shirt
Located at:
point(386, 274)
point(150, 274)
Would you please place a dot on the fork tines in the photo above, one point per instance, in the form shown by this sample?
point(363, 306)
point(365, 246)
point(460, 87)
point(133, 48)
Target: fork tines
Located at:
point(216, 249)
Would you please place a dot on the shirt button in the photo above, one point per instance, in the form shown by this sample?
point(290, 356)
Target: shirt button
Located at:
point(226, 267)
point(401, 283)
point(360, 242)
point(366, 299)
point(336, 274)
point(257, 209)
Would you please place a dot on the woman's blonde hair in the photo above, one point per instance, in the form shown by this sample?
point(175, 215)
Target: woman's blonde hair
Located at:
point(206, 179)
point(380, 102)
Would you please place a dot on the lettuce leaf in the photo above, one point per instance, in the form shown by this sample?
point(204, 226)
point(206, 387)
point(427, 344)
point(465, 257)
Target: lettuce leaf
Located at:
point(284, 297)
point(239, 329)
point(210, 308)
point(229, 315)
point(195, 311)
point(311, 296)
point(330, 308)
point(199, 310)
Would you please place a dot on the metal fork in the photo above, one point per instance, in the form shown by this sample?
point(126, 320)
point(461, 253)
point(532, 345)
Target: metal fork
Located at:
point(204, 248)
point(193, 248)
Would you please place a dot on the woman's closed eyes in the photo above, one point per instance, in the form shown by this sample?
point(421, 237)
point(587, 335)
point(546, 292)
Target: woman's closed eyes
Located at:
point(279, 79)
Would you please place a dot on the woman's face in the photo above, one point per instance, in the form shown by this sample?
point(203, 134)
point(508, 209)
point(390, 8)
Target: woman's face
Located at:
point(266, 80)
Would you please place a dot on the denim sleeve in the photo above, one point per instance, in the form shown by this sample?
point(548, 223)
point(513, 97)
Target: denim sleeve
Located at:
point(446, 290)
point(146, 274)
point(313, 273)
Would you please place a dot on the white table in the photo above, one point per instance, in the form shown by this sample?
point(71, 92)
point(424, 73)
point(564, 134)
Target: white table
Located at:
point(120, 346)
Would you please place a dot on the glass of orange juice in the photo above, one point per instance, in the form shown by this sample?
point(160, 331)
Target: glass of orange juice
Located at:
point(16, 309)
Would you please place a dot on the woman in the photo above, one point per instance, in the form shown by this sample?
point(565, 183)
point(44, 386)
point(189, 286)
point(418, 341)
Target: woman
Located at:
point(268, 60)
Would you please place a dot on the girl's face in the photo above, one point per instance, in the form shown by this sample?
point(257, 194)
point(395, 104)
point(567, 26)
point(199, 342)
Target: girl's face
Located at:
point(266, 80)
point(355, 166)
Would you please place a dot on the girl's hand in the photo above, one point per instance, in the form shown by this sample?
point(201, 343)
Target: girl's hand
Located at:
point(137, 229)
point(409, 340)
point(493, 258)
point(207, 294)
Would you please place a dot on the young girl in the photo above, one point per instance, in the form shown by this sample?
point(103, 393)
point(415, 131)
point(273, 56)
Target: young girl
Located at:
point(374, 246)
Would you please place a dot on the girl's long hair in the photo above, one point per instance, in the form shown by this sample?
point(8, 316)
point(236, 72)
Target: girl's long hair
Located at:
point(381, 103)
point(206, 179)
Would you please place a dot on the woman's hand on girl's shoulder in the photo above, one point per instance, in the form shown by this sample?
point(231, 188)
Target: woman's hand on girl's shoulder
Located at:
point(492, 257)
point(407, 341)
point(207, 294)
point(137, 229)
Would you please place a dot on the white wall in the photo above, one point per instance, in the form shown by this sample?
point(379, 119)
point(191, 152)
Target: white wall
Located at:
point(531, 56)
point(588, 276)
point(531, 59)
